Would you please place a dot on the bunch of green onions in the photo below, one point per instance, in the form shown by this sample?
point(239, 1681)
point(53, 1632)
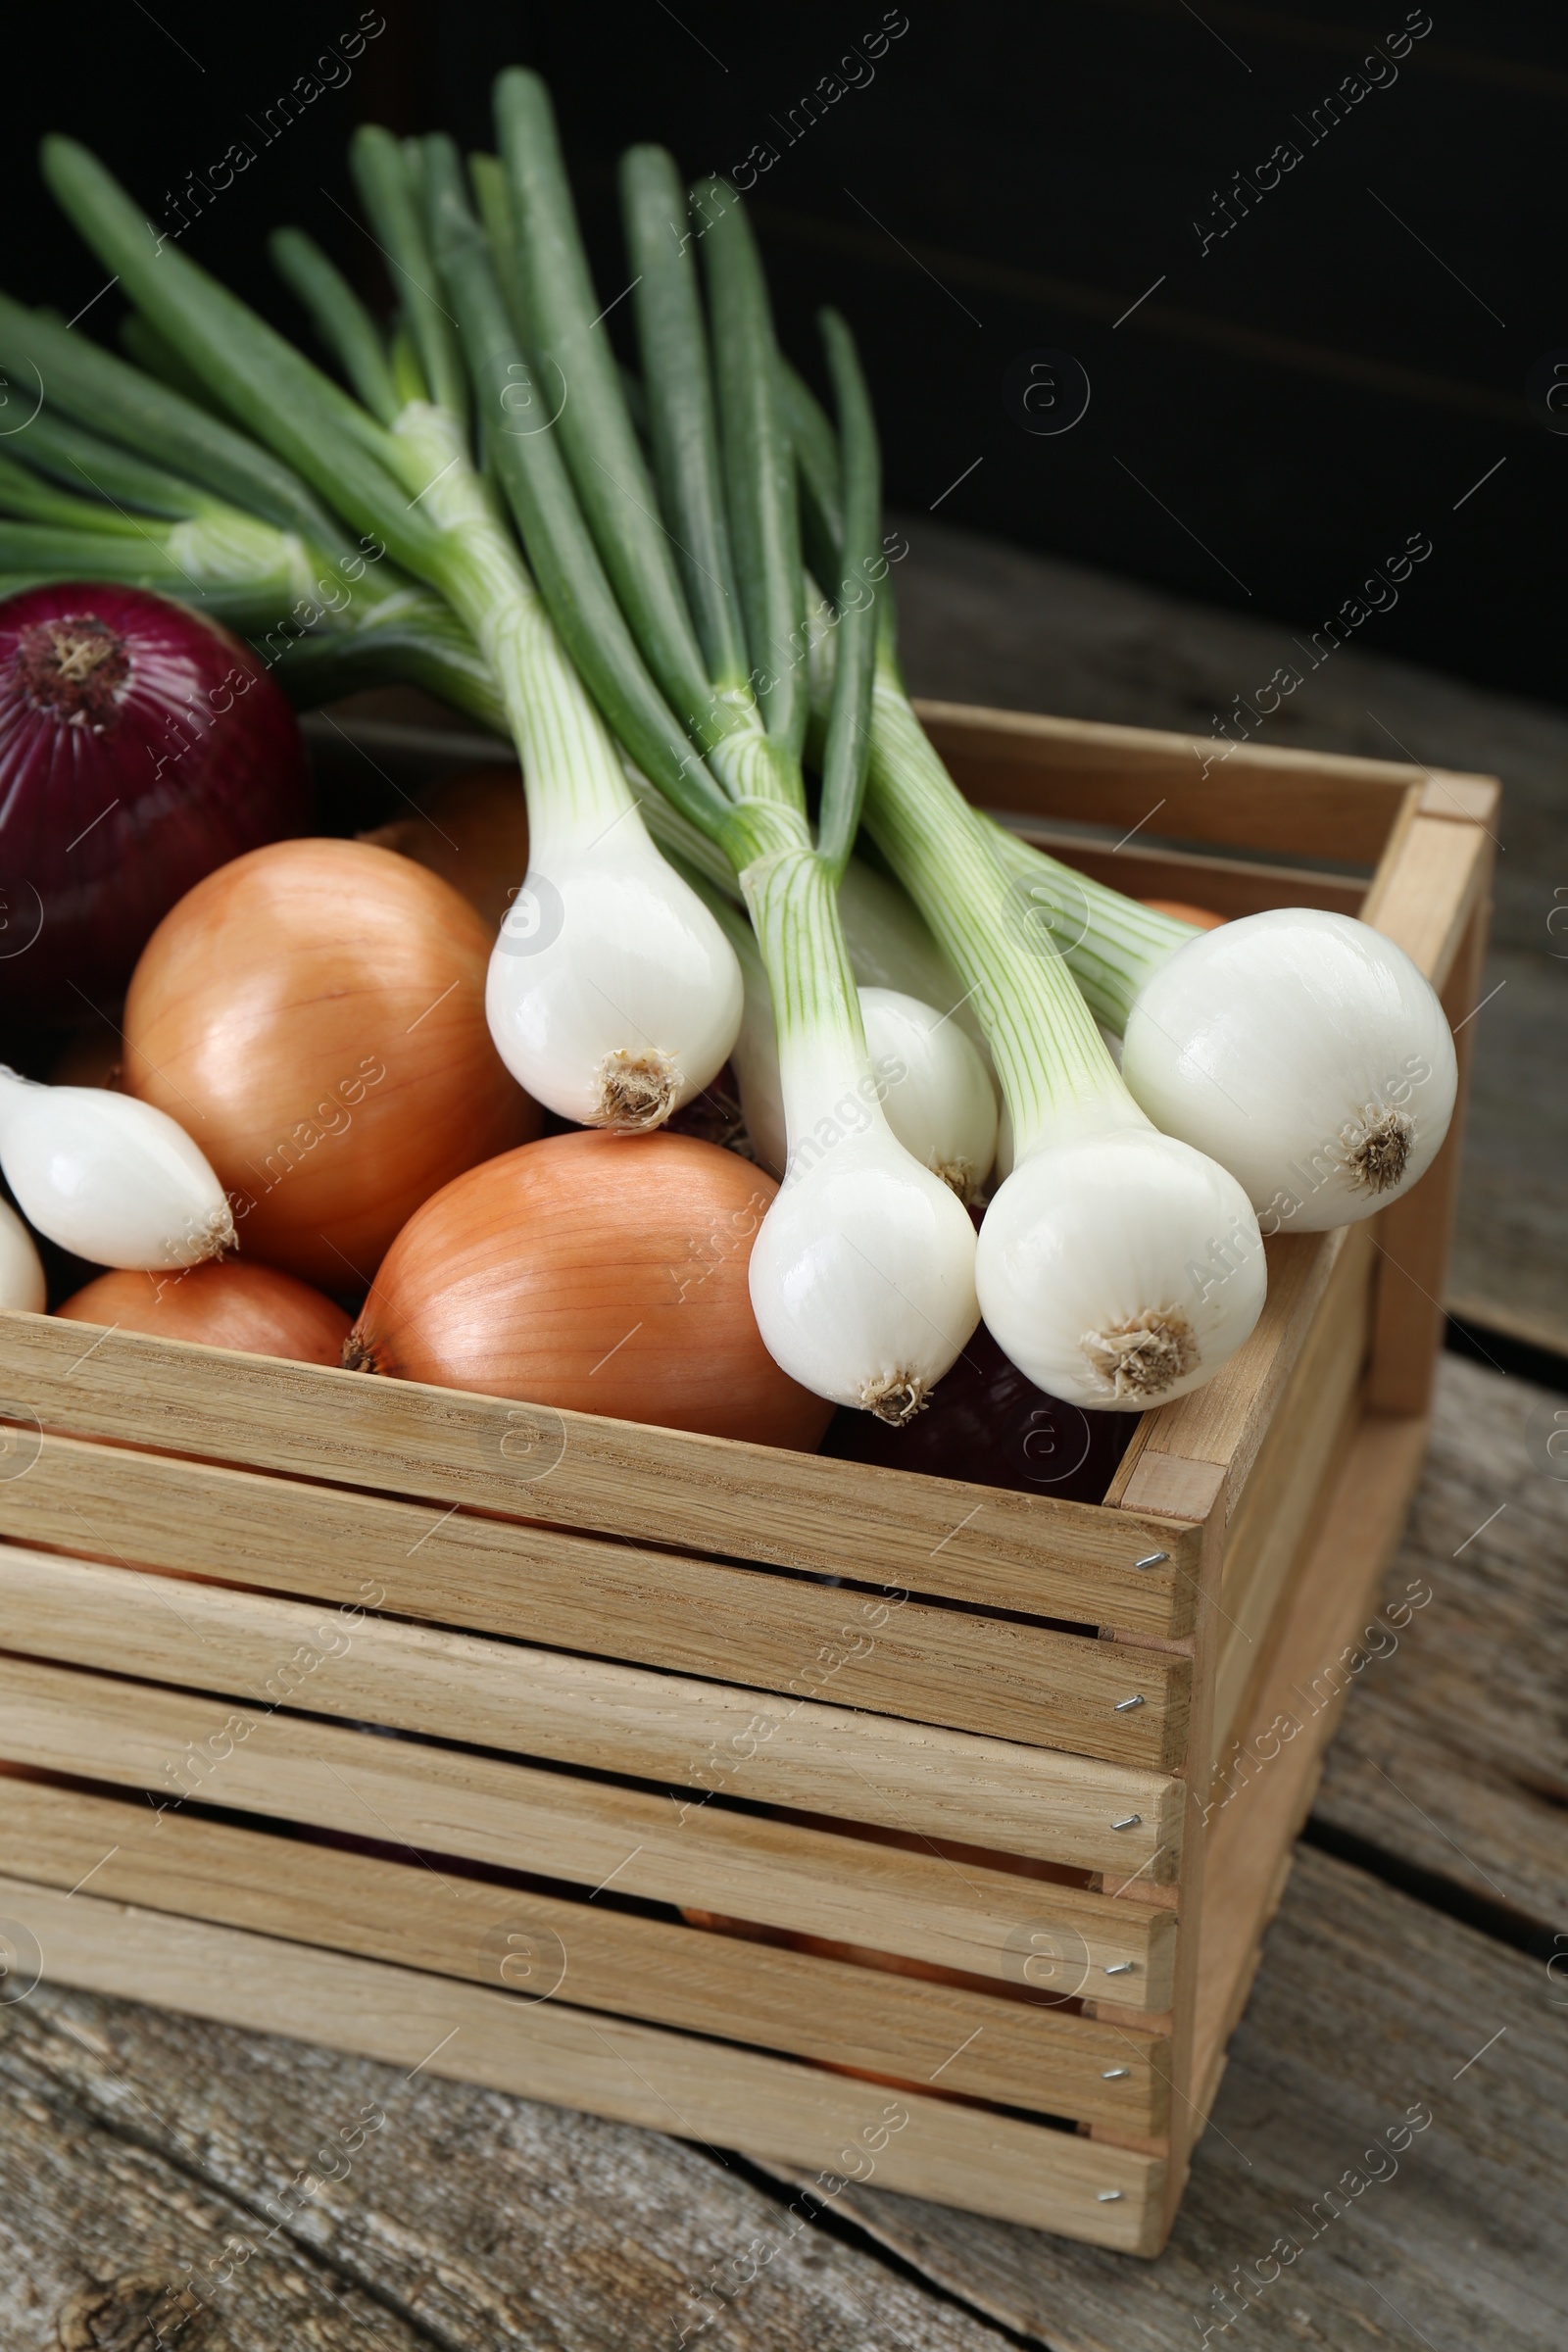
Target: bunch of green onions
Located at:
point(616, 576)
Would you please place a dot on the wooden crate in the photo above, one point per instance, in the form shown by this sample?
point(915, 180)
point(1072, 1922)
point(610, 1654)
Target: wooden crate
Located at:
point(1056, 1751)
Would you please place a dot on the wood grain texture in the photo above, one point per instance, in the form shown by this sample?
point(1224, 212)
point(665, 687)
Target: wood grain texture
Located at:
point(881, 1651)
point(1453, 1751)
point(517, 1817)
point(469, 2221)
point(113, 2201)
point(704, 1738)
point(1293, 1478)
point(547, 2051)
point(1264, 1778)
point(1229, 886)
point(1415, 1235)
point(711, 1495)
point(976, 2043)
point(1253, 798)
point(1462, 2247)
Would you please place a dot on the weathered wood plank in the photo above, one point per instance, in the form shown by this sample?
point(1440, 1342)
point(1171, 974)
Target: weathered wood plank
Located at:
point(107, 2239)
point(442, 1800)
point(882, 1650)
point(934, 1535)
point(1453, 1755)
point(701, 1736)
point(1460, 2245)
point(636, 2074)
point(595, 1957)
point(467, 2221)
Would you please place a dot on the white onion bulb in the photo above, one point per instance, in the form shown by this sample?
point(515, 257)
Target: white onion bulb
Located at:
point(939, 1101)
point(862, 1274)
point(612, 995)
point(22, 1283)
point(1119, 1269)
point(1303, 1052)
point(110, 1179)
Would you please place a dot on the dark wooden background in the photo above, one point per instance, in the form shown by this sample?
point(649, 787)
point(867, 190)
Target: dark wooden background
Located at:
point(1006, 179)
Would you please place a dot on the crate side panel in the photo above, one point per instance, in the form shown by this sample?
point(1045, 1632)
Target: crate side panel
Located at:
point(978, 1544)
point(642, 2075)
point(1265, 1781)
point(177, 1746)
point(983, 2045)
point(701, 1737)
point(886, 1652)
point(1294, 1474)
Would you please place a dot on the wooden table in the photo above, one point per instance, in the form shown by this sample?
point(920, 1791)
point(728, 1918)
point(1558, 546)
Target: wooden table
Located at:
point(167, 2181)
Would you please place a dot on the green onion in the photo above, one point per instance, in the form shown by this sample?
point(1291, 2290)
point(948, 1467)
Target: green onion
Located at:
point(612, 995)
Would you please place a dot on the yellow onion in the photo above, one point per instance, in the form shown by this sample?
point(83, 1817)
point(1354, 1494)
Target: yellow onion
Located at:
point(597, 1273)
point(224, 1302)
point(312, 1014)
point(473, 830)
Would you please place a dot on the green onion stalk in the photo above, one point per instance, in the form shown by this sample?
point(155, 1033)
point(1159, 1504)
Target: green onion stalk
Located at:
point(118, 478)
point(614, 997)
point(677, 587)
point(1117, 1266)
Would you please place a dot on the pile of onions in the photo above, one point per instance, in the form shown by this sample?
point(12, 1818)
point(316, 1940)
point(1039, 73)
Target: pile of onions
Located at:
point(226, 1303)
point(313, 1016)
point(599, 1274)
point(140, 747)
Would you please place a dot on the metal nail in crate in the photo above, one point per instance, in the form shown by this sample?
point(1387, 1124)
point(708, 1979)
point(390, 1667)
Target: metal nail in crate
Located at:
point(1015, 1831)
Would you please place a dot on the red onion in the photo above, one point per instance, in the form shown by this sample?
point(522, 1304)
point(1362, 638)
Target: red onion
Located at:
point(988, 1424)
point(140, 747)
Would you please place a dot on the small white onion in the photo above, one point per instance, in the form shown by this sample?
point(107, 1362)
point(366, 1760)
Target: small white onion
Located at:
point(939, 1101)
point(21, 1282)
point(1119, 1270)
point(1303, 1052)
point(935, 1091)
point(862, 1275)
point(612, 995)
point(110, 1179)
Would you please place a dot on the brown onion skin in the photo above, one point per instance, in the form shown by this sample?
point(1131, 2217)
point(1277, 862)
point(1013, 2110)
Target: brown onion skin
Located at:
point(312, 1014)
point(1203, 918)
point(224, 1302)
point(472, 831)
point(556, 1275)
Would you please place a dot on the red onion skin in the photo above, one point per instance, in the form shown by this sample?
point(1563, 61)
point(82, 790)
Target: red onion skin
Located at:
point(988, 1424)
point(140, 747)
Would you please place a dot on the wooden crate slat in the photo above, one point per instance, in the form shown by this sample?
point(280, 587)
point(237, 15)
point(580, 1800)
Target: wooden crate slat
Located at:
point(885, 1653)
point(638, 2073)
point(1287, 1490)
point(1222, 1424)
point(1415, 1235)
point(982, 1545)
point(1227, 886)
point(1425, 905)
point(1265, 1780)
point(702, 1736)
point(440, 1800)
point(1254, 797)
point(981, 2045)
